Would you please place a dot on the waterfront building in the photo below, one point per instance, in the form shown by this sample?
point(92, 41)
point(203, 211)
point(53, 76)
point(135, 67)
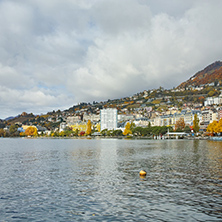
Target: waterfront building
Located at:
point(143, 122)
point(108, 119)
point(208, 116)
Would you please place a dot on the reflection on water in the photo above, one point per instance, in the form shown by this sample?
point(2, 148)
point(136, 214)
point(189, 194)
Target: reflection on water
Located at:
point(98, 180)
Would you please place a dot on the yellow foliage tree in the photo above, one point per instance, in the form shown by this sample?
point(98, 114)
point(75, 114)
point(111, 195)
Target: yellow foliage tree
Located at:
point(219, 126)
point(31, 131)
point(212, 127)
point(127, 130)
point(98, 127)
point(2, 133)
point(62, 134)
point(89, 128)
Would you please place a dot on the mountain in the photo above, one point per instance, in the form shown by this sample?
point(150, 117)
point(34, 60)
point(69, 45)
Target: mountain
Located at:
point(211, 74)
point(20, 118)
point(156, 99)
point(9, 118)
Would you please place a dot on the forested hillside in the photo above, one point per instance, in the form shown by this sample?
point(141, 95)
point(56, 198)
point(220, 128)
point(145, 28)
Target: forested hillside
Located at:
point(211, 74)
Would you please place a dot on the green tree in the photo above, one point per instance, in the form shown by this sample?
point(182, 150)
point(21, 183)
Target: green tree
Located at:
point(132, 125)
point(13, 129)
point(163, 130)
point(149, 125)
point(104, 132)
point(187, 129)
point(117, 133)
point(137, 131)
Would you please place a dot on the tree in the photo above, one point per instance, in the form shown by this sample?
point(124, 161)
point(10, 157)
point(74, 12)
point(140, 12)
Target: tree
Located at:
point(211, 93)
point(180, 124)
point(196, 126)
point(82, 133)
point(149, 125)
point(132, 125)
point(13, 130)
point(187, 129)
point(212, 127)
point(2, 133)
point(137, 131)
point(104, 132)
point(89, 128)
point(219, 126)
point(98, 127)
point(127, 130)
point(76, 132)
point(117, 133)
point(163, 130)
point(156, 130)
point(31, 131)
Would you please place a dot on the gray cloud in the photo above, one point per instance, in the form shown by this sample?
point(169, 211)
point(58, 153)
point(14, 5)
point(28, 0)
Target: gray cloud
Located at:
point(54, 54)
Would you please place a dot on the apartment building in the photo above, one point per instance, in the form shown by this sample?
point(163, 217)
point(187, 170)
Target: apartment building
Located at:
point(108, 119)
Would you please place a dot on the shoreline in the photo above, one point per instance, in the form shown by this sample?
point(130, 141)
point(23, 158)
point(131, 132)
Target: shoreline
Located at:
point(120, 138)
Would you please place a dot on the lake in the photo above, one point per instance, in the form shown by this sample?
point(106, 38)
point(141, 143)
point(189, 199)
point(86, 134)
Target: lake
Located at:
point(98, 180)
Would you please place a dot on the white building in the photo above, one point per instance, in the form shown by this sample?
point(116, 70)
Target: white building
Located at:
point(92, 118)
point(62, 126)
point(108, 119)
point(123, 117)
point(72, 120)
point(213, 101)
point(208, 116)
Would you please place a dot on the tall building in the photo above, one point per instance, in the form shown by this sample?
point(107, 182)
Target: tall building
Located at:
point(108, 119)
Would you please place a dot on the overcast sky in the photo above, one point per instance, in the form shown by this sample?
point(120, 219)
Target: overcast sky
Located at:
point(54, 54)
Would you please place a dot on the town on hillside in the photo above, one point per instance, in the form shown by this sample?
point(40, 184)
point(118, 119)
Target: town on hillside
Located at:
point(173, 110)
point(195, 106)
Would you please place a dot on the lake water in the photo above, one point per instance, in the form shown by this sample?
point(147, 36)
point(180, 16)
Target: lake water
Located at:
point(98, 180)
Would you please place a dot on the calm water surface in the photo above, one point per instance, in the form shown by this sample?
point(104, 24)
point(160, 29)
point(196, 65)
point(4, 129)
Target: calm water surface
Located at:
point(98, 180)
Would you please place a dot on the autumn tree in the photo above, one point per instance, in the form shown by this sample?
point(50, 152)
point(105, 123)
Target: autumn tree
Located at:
point(82, 133)
point(212, 127)
point(127, 130)
point(180, 124)
point(98, 127)
point(196, 126)
point(31, 131)
point(219, 126)
point(89, 128)
point(2, 133)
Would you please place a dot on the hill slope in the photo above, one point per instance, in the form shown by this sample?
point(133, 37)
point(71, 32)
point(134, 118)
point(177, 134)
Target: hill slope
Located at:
point(210, 74)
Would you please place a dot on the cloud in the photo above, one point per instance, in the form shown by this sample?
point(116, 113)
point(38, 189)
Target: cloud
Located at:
point(54, 54)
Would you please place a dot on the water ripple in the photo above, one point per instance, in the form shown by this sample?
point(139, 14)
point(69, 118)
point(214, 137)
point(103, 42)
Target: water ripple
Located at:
point(98, 180)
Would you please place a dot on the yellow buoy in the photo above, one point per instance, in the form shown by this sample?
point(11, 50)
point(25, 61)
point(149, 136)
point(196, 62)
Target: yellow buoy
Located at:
point(142, 173)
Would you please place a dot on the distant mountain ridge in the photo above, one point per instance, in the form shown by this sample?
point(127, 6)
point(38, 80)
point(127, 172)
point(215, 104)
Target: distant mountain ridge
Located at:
point(212, 73)
point(9, 118)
